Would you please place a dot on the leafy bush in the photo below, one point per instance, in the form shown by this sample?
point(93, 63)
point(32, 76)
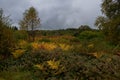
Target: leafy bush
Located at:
point(44, 40)
point(18, 53)
point(20, 35)
point(6, 36)
point(90, 35)
point(6, 42)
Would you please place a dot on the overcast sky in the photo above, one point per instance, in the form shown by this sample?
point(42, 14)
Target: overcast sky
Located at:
point(55, 14)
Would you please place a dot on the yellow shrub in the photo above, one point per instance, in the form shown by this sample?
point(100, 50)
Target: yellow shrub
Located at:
point(53, 64)
point(90, 46)
point(39, 66)
point(49, 46)
point(35, 46)
point(108, 59)
point(65, 47)
point(97, 54)
point(43, 46)
point(18, 53)
point(22, 44)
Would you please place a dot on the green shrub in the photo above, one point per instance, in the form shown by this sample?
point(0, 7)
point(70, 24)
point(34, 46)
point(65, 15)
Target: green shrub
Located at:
point(6, 40)
point(44, 40)
point(90, 35)
point(21, 35)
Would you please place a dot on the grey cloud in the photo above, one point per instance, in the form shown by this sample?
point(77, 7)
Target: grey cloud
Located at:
point(55, 14)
